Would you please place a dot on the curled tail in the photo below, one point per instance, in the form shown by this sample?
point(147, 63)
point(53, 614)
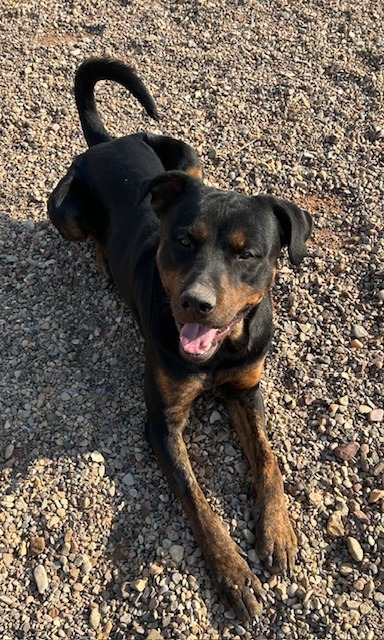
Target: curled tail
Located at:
point(88, 74)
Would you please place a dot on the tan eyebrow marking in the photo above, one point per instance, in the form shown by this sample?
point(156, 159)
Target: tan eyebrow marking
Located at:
point(199, 232)
point(237, 240)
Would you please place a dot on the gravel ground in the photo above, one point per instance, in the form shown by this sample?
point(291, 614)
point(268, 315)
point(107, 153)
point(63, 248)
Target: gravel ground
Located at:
point(277, 96)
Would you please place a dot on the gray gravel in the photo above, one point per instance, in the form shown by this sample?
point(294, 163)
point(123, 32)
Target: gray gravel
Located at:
point(276, 96)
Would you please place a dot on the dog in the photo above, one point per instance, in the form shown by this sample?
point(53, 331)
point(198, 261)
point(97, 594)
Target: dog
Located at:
point(195, 265)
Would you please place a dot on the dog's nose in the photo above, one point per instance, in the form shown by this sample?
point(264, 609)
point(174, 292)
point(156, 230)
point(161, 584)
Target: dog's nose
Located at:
point(200, 299)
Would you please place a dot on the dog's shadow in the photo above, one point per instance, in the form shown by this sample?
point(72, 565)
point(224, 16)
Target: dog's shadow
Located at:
point(76, 414)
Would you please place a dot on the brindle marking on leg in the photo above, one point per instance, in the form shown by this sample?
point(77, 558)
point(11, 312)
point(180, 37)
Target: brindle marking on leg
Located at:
point(178, 396)
point(242, 379)
point(276, 540)
point(236, 583)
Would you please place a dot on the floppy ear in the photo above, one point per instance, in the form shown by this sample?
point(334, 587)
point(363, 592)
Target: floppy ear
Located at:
point(295, 227)
point(163, 189)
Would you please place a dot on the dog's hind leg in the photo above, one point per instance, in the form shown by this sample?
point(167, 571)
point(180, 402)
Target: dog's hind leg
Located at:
point(68, 208)
point(71, 209)
point(176, 155)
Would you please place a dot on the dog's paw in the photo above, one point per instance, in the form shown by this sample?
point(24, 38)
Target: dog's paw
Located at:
point(276, 542)
point(239, 588)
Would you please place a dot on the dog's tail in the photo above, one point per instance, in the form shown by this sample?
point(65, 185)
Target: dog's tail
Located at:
point(88, 74)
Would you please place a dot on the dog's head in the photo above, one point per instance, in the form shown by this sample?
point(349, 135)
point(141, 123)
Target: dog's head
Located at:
point(217, 255)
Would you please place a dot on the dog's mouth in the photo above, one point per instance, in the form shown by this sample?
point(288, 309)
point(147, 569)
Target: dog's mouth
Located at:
point(199, 343)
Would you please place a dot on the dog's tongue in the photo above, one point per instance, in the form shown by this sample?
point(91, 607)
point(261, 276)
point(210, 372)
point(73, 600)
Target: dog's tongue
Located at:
point(195, 338)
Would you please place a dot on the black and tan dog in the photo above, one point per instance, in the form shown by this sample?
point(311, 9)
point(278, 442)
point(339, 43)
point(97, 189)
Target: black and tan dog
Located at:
point(195, 265)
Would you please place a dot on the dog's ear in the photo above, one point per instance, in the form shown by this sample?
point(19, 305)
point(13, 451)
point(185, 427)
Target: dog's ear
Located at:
point(164, 189)
point(295, 226)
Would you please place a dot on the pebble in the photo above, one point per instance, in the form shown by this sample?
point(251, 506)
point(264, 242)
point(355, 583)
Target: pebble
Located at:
point(346, 451)
point(154, 635)
point(96, 456)
point(41, 578)
point(86, 567)
point(376, 495)
point(249, 537)
point(94, 617)
point(36, 545)
point(176, 552)
point(355, 549)
point(359, 331)
point(155, 570)
point(376, 415)
point(215, 417)
point(8, 453)
point(335, 526)
point(139, 584)
point(128, 480)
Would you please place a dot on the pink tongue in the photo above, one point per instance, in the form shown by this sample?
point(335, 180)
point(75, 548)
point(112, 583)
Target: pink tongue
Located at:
point(195, 338)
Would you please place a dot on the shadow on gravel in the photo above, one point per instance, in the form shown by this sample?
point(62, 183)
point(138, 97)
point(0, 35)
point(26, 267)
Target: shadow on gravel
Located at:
point(73, 416)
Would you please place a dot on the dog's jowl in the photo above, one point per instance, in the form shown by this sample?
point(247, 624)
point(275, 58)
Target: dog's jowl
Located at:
point(195, 265)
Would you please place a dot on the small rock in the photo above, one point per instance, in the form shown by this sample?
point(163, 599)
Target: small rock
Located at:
point(154, 635)
point(355, 549)
point(249, 536)
point(215, 417)
point(155, 570)
point(96, 456)
point(41, 578)
point(66, 549)
point(176, 552)
point(356, 344)
point(368, 589)
point(86, 567)
point(8, 453)
point(335, 526)
point(346, 451)
point(359, 331)
point(129, 480)
point(376, 415)
point(376, 495)
point(36, 545)
point(8, 559)
point(139, 584)
point(229, 450)
point(363, 408)
point(94, 617)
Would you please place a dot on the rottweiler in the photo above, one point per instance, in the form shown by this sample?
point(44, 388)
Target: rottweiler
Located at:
point(195, 265)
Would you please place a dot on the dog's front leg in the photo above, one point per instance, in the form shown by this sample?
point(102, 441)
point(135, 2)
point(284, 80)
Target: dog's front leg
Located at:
point(169, 405)
point(275, 539)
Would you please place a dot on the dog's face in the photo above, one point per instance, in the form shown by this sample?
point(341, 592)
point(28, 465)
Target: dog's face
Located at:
point(217, 256)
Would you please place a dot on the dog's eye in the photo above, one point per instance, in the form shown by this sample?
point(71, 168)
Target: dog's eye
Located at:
point(184, 242)
point(246, 254)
